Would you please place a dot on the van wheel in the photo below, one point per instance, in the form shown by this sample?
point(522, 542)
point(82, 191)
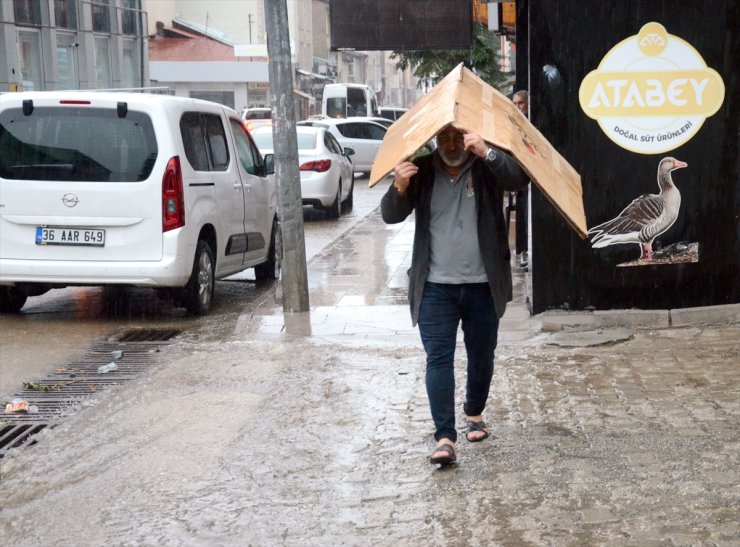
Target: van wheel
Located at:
point(270, 269)
point(197, 295)
point(335, 209)
point(350, 201)
point(12, 299)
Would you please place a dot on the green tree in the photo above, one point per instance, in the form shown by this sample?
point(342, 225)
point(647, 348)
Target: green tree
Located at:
point(430, 66)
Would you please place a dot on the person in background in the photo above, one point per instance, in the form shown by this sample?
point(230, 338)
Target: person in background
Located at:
point(460, 268)
point(521, 100)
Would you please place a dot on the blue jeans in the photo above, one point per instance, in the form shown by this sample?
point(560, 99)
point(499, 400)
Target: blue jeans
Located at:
point(443, 307)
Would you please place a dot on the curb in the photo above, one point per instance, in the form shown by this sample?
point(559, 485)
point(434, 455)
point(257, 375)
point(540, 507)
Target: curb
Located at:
point(556, 320)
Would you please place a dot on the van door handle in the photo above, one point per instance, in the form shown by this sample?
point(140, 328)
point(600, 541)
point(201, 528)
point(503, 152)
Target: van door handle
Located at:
point(238, 185)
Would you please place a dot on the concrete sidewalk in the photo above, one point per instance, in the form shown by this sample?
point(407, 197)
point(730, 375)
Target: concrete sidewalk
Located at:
point(615, 436)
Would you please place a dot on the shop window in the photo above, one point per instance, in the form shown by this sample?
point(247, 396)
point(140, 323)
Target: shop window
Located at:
point(67, 61)
point(29, 43)
point(257, 95)
point(102, 62)
point(130, 64)
point(65, 13)
point(225, 98)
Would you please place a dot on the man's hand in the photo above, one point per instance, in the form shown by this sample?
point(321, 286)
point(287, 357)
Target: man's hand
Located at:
point(403, 172)
point(475, 143)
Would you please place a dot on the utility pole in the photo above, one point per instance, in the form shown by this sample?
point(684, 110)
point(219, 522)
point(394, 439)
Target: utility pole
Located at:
point(290, 205)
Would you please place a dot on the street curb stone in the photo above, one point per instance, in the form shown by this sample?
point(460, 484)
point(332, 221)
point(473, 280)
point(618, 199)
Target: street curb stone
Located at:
point(706, 315)
point(556, 320)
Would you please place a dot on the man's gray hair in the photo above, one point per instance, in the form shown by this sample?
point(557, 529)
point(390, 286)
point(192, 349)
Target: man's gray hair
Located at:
point(521, 93)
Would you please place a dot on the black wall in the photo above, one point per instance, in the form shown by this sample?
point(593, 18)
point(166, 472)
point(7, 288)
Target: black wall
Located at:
point(574, 36)
point(394, 25)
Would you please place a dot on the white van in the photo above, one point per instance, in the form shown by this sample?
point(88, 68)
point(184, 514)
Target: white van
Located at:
point(347, 100)
point(391, 112)
point(130, 189)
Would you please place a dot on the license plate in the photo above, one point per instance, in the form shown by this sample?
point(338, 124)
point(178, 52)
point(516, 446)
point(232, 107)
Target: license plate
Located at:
point(56, 235)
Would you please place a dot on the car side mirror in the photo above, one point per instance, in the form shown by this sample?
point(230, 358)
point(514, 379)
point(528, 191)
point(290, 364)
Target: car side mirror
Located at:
point(270, 164)
point(349, 151)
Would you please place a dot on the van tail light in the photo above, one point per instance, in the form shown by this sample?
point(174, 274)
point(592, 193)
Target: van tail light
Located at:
point(173, 201)
point(319, 166)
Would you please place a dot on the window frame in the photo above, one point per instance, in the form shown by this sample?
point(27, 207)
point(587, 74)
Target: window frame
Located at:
point(66, 14)
point(101, 10)
point(237, 129)
point(205, 140)
point(31, 8)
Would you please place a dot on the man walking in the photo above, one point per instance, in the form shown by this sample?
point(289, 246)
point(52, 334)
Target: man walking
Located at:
point(460, 270)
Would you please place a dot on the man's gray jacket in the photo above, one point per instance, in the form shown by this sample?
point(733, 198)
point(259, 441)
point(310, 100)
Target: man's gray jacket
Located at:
point(489, 183)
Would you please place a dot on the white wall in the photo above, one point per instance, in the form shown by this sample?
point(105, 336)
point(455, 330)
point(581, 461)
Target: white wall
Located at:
point(159, 10)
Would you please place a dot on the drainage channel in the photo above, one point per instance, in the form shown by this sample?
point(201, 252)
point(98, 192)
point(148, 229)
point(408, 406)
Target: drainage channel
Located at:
point(60, 393)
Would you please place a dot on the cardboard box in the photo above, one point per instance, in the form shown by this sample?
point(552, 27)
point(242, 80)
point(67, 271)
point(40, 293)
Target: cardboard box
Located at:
point(464, 100)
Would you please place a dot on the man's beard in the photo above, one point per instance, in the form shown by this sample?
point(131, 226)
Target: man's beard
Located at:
point(454, 162)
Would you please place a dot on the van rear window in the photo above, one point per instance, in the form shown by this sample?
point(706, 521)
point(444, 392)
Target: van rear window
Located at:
point(76, 144)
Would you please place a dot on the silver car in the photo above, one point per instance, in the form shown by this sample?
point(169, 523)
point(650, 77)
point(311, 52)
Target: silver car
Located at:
point(327, 176)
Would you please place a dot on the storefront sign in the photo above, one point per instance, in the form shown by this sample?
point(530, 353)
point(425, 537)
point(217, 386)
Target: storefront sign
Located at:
point(651, 92)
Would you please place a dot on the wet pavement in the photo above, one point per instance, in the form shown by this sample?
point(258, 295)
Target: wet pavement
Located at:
point(314, 429)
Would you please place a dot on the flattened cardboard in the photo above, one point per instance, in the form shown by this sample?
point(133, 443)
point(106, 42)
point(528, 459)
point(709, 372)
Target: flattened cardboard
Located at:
point(464, 100)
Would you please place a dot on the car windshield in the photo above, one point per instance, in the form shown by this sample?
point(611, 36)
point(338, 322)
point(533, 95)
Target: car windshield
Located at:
point(306, 141)
point(76, 144)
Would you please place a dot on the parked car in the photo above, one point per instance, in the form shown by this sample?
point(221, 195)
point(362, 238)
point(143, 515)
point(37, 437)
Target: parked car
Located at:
point(360, 134)
point(391, 112)
point(130, 189)
point(385, 122)
point(251, 125)
point(257, 113)
point(257, 117)
point(327, 177)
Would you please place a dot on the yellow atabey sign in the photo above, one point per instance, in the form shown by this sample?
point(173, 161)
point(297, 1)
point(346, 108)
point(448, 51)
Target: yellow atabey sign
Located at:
point(467, 102)
point(652, 92)
point(688, 92)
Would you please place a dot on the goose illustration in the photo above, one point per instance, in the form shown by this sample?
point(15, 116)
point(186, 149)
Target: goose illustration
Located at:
point(646, 217)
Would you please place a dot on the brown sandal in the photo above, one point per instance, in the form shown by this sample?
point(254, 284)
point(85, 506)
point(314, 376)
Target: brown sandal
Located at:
point(449, 457)
point(476, 426)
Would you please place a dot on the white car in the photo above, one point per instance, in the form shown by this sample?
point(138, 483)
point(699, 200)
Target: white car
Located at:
point(327, 177)
point(130, 189)
point(361, 135)
point(385, 122)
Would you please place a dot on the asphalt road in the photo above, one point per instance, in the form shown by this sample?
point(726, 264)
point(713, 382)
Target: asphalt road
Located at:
point(60, 325)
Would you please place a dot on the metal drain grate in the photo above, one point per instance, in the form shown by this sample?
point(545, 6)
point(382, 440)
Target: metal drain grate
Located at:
point(146, 335)
point(63, 391)
point(13, 436)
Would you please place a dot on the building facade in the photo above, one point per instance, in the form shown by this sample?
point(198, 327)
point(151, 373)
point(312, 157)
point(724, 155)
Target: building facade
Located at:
point(72, 44)
point(103, 44)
